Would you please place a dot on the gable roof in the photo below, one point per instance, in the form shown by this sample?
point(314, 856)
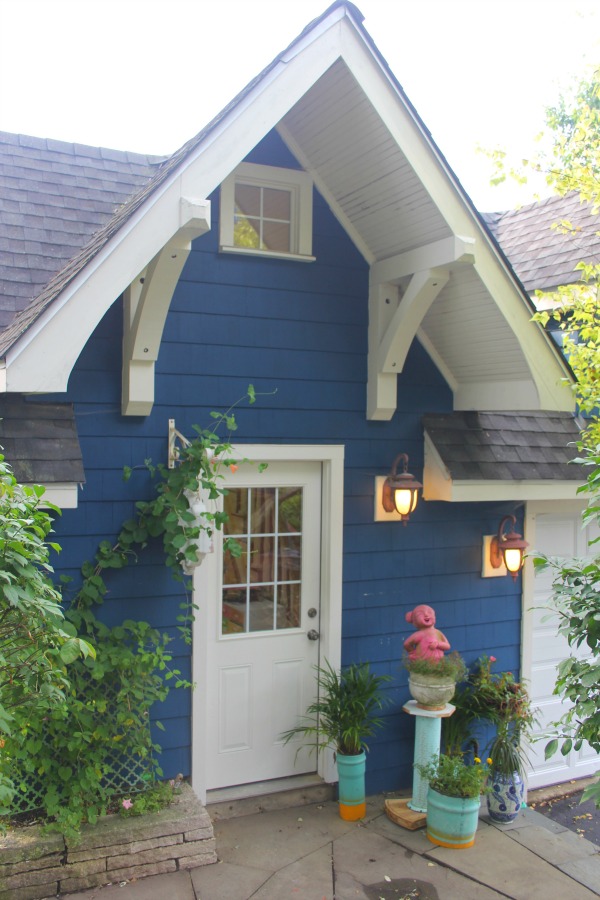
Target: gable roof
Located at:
point(542, 255)
point(342, 113)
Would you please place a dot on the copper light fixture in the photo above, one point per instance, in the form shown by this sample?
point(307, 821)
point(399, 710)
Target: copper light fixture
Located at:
point(508, 548)
point(400, 492)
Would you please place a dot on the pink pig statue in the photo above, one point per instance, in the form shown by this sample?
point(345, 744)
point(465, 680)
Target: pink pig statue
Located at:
point(427, 642)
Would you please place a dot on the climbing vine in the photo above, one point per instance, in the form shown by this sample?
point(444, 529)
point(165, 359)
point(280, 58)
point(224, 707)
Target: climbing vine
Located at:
point(73, 749)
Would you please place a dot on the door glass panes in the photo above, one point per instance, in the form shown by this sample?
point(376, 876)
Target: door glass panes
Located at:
point(262, 219)
point(262, 583)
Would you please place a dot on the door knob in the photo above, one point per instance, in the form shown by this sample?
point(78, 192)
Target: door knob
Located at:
point(313, 635)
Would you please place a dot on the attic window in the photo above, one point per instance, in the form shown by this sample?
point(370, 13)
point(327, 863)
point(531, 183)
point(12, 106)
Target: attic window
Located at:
point(267, 211)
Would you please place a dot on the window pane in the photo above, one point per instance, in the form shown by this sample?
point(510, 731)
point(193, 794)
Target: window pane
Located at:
point(235, 504)
point(288, 606)
point(247, 200)
point(262, 559)
point(290, 509)
point(289, 559)
point(261, 608)
point(263, 510)
point(276, 236)
point(246, 232)
point(234, 568)
point(234, 611)
point(262, 586)
point(277, 204)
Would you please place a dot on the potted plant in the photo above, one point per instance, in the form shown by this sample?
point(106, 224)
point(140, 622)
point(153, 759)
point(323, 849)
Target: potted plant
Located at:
point(453, 799)
point(504, 703)
point(432, 682)
point(343, 717)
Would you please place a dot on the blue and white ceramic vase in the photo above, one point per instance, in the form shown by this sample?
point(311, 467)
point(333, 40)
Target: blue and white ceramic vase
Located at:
point(505, 798)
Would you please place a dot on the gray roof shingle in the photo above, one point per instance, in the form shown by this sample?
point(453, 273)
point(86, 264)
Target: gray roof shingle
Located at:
point(541, 255)
point(54, 197)
point(40, 441)
point(493, 446)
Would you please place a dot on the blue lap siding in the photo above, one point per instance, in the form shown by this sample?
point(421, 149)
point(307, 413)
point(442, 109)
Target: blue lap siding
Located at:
point(298, 332)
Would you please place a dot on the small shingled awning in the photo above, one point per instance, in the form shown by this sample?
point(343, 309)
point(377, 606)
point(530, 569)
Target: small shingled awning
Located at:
point(474, 456)
point(41, 443)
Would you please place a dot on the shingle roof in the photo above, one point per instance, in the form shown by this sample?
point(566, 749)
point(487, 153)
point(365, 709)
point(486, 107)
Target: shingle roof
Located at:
point(541, 255)
point(519, 446)
point(19, 313)
point(53, 197)
point(40, 441)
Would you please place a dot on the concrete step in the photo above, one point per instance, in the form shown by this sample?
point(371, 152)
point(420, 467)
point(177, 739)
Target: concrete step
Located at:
point(280, 793)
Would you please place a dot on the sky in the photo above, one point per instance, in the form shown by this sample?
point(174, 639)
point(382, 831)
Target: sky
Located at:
point(146, 75)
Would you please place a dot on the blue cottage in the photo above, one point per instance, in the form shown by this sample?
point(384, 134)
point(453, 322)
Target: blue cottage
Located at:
point(313, 241)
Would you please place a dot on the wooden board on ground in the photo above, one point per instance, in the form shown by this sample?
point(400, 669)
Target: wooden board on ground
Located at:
point(399, 812)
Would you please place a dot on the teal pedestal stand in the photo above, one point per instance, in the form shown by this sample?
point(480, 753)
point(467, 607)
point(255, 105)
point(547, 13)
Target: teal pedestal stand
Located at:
point(428, 732)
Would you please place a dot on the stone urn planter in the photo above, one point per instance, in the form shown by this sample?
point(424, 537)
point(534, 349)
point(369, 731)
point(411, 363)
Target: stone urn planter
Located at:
point(431, 691)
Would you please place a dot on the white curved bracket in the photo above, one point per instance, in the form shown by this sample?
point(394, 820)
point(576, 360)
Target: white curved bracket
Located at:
point(394, 319)
point(146, 304)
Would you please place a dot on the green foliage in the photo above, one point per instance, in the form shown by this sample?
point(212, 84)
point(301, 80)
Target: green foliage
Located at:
point(343, 716)
point(576, 583)
point(72, 746)
point(450, 667)
point(36, 642)
point(158, 796)
point(501, 701)
point(576, 599)
point(453, 777)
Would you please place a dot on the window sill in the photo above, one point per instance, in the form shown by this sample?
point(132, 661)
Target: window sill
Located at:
point(271, 254)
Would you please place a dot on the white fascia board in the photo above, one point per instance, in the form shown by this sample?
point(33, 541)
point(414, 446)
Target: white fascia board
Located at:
point(479, 491)
point(64, 495)
point(499, 396)
point(549, 375)
point(42, 360)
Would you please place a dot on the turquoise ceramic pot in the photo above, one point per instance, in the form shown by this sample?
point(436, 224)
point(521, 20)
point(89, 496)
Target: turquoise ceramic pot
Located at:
point(351, 786)
point(452, 821)
point(505, 798)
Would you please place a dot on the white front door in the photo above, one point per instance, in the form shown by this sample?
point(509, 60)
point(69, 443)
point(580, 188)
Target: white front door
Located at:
point(556, 534)
point(263, 622)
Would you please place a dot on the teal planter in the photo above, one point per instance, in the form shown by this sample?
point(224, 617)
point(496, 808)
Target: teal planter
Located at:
point(351, 786)
point(452, 821)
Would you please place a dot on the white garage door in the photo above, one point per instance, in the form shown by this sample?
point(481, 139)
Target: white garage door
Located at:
point(555, 535)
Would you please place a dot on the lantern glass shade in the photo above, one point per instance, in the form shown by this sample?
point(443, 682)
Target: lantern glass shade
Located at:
point(405, 500)
point(513, 558)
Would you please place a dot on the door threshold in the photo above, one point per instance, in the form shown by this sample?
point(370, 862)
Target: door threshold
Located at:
point(260, 796)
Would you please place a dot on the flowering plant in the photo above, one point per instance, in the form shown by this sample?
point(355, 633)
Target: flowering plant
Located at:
point(503, 702)
point(453, 777)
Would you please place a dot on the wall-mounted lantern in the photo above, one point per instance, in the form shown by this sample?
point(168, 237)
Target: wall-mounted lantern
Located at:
point(505, 549)
point(400, 492)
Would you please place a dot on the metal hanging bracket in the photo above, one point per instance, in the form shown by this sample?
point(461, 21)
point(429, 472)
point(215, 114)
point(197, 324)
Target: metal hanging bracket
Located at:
point(175, 436)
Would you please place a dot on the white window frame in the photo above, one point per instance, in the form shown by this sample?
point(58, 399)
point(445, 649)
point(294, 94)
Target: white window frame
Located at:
point(300, 186)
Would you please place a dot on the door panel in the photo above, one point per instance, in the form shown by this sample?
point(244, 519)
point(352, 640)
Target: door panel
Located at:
point(259, 656)
point(555, 536)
